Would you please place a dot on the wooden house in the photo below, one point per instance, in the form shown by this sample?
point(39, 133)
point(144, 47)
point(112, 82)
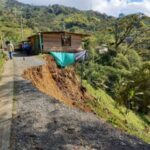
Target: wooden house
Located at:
point(56, 41)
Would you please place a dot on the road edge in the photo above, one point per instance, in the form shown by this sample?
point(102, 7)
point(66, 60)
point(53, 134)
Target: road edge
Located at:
point(6, 104)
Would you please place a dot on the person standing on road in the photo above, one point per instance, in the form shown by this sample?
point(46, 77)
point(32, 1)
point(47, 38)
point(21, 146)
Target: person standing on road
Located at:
point(10, 49)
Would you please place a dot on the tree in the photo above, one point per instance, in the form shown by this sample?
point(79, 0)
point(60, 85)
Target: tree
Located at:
point(134, 91)
point(124, 27)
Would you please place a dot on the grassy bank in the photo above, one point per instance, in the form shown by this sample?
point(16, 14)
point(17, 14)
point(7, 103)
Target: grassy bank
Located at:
point(105, 107)
point(2, 60)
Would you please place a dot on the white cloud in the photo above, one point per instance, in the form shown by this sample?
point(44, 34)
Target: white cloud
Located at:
point(115, 7)
point(110, 7)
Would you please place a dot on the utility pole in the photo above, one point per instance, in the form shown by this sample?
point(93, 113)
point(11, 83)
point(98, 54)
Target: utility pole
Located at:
point(19, 18)
point(2, 44)
point(116, 35)
point(22, 34)
point(40, 40)
point(63, 26)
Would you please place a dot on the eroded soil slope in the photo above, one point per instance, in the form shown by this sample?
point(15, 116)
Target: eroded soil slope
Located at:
point(62, 84)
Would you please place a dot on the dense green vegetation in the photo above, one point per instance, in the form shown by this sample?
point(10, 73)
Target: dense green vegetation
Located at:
point(105, 107)
point(2, 60)
point(34, 19)
point(123, 72)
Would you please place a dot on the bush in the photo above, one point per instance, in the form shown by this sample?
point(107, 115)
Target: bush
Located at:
point(2, 59)
point(121, 62)
point(134, 59)
point(134, 93)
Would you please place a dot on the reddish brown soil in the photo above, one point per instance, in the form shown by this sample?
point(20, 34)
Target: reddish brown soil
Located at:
point(62, 84)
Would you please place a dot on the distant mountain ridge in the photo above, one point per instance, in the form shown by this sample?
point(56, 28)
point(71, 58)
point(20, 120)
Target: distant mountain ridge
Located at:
point(48, 18)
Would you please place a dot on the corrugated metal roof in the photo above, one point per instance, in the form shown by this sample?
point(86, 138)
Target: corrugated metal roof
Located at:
point(58, 32)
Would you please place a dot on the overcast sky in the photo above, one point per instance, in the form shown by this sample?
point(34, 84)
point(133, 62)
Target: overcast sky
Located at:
point(110, 7)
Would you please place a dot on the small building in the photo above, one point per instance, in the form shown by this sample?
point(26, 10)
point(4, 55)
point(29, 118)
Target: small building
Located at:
point(57, 42)
point(102, 49)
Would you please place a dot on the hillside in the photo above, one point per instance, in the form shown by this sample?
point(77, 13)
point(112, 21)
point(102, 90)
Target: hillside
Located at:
point(41, 18)
point(65, 86)
point(119, 78)
point(41, 122)
point(62, 84)
point(54, 18)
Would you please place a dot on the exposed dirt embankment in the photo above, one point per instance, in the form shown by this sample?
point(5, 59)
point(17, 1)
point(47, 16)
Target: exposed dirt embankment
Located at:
point(62, 84)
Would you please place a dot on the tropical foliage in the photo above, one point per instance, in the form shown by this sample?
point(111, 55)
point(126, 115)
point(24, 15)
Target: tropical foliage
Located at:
point(122, 72)
point(117, 71)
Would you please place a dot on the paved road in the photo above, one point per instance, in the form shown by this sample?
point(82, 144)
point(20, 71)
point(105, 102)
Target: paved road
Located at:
point(7, 95)
point(6, 99)
point(42, 123)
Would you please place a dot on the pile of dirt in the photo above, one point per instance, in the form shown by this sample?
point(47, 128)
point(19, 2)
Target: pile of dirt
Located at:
point(62, 84)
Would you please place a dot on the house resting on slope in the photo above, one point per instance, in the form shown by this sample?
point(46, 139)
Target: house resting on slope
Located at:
point(62, 41)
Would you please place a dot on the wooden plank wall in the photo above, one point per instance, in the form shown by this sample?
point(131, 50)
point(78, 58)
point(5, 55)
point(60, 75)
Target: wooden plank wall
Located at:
point(52, 42)
point(76, 42)
point(32, 41)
